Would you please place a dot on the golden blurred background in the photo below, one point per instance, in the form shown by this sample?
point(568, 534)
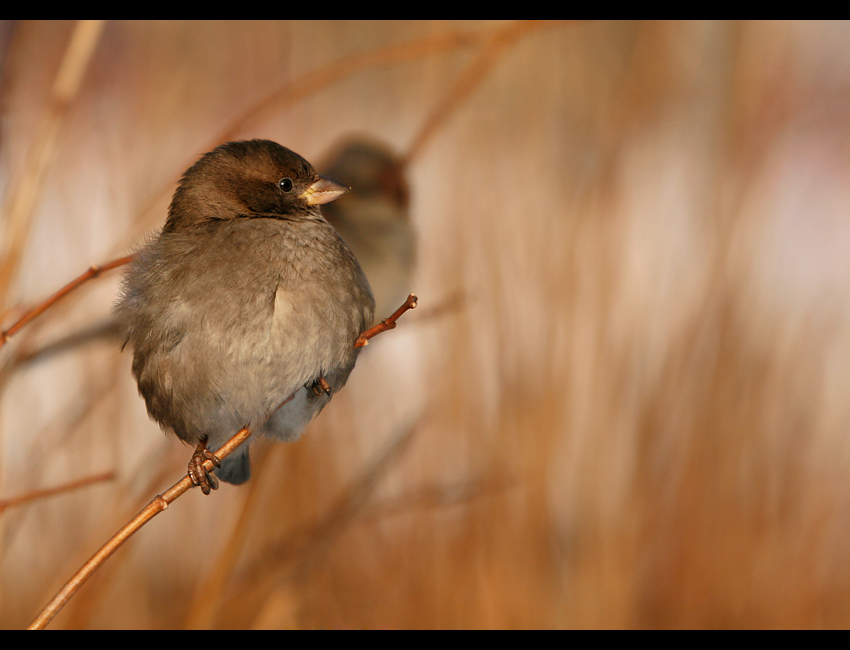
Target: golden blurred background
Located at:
point(622, 401)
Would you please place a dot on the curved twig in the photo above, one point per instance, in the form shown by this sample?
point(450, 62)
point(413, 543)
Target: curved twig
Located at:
point(159, 503)
point(387, 323)
point(34, 495)
point(93, 271)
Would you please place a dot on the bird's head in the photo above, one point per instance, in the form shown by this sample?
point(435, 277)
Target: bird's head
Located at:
point(249, 179)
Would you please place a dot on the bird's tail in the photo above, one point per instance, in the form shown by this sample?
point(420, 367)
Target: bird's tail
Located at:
point(236, 468)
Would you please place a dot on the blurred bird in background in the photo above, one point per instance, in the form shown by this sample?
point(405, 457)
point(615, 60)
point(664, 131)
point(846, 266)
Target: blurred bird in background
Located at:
point(373, 216)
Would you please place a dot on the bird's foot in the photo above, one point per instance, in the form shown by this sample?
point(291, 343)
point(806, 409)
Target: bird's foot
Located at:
point(199, 474)
point(321, 387)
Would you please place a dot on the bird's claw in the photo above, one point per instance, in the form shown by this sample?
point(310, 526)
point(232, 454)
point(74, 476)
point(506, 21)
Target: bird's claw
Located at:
point(199, 474)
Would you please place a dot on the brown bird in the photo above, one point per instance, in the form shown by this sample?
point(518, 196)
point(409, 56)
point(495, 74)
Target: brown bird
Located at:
point(373, 218)
point(245, 309)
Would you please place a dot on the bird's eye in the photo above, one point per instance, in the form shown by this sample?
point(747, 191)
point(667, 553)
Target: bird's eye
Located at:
point(285, 184)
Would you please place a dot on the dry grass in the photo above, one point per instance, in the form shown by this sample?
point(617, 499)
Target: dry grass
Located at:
point(636, 417)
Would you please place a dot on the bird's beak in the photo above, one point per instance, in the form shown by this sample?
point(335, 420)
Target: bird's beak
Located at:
point(323, 191)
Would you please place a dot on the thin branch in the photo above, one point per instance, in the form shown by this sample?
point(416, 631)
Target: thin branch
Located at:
point(23, 197)
point(386, 323)
point(497, 43)
point(93, 271)
point(34, 495)
point(104, 330)
point(161, 502)
point(315, 80)
point(158, 504)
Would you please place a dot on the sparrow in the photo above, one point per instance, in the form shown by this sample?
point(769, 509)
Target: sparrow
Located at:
point(244, 310)
point(373, 218)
